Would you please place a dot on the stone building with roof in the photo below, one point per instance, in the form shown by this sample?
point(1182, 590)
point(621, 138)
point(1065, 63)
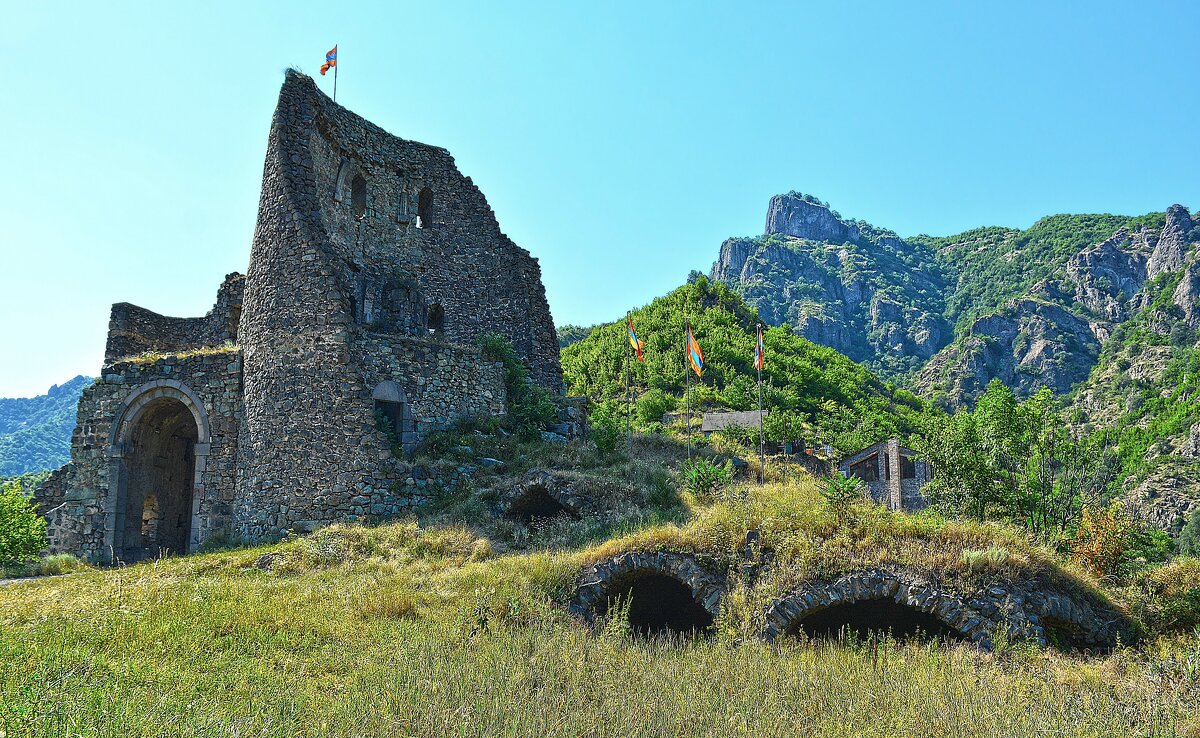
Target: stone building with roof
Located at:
point(375, 268)
point(893, 474)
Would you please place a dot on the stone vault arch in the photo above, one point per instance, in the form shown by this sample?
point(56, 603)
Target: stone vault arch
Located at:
point(158, 452)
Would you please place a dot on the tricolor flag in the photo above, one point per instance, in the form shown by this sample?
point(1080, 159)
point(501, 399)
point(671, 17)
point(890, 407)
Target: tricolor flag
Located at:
point(634, 340)
point(758, 350)
point(330, 61)
point(695, 356)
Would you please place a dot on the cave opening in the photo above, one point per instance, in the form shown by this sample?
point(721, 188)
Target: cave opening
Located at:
point(873, 617)
point(537, 505)
point(660, 604)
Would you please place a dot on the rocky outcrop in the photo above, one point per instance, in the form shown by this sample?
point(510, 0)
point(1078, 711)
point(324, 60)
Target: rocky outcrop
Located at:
point(1108, 275)
point(793, 215)
point(1172, 249)
point(1030, 345)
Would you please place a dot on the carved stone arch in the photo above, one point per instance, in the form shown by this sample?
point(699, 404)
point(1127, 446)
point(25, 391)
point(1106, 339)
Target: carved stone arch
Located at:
point(158, 449)
point(651, 583)
point(393, 412)
point(787, 614)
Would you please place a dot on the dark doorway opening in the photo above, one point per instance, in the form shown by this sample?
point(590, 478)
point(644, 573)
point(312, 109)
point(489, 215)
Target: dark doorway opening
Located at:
point(435, 319)
point(358, 195)
point(660, 604)
point(873, 616)
point(159, 482)
point(537, 505)
point(425, 208)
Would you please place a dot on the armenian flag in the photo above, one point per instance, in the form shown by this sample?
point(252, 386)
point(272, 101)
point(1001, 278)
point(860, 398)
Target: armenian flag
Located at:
point(759, 359)
point(330, 60)
point(634, 340)
point(695, 356)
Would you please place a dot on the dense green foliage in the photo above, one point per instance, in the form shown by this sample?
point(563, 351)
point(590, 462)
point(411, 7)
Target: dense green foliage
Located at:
point(1015, 461)
point(530, 406)
point(989, 266)
point(1188, 543)
point(569, 334)
point(35, 432)
point(22, 530)
point(838, 401)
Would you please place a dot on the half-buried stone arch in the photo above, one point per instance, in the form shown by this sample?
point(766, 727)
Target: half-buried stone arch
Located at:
point(883, 601)
point(666, 593)
point(542, 495)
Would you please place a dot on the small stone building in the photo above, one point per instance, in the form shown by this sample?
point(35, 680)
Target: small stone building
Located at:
point(894, 474)
point(375, 268)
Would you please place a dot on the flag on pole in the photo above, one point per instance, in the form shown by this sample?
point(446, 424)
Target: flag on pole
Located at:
point(695, 356)
point(758, 350)
point(634, 340)
point(330, 60)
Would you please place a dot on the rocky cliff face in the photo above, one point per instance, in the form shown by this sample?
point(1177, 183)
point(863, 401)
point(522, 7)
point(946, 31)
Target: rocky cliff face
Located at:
point(1032, 308)
point(840, 283)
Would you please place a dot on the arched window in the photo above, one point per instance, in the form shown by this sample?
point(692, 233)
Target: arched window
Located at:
point(435, 319)
point(358, 195)
point(425, 208)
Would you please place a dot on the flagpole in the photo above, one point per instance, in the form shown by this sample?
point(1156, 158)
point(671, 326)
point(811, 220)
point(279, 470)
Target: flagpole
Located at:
point(335, 70)
point(687, 384)
point(762, 448)
point(629, 379)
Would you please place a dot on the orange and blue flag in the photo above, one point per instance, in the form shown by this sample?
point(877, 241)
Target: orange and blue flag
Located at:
point(695, 356)
point(759, 359)
point(330, 60)
point(634, 340)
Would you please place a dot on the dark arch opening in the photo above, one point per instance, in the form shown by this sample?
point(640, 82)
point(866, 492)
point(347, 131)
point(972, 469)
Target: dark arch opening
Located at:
point(425, 208)
point(235, 320)
point(435, 319)
point(1066, 636)
point(660, 604)
point(160, 476)
point(867, 617)
point(537, 505)
point(358, 195)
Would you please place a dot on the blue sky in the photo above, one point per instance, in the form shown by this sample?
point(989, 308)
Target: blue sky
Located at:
point(619, 142)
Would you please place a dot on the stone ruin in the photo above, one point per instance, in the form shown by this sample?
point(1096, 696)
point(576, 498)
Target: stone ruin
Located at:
point(681, 594)
point(375, 268)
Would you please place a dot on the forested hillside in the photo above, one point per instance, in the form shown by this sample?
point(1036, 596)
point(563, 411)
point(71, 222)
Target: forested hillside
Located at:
point(824, 396)
point(35, 432)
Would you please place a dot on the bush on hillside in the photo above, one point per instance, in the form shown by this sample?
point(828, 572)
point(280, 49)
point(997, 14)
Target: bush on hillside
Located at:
point(704, 478)
point(1170, 596)
point(607, 431)
point(22, 530)
point(1188, 543)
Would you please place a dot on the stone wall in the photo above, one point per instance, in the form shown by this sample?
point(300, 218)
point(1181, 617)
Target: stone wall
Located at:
point(134, 330)
point(87, 494)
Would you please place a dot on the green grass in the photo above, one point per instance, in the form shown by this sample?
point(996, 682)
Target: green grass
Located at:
point(439, 629)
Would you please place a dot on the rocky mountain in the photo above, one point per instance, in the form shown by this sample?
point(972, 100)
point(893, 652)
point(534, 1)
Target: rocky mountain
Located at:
point(947, 315)
point(35, 432)
point(841, 283)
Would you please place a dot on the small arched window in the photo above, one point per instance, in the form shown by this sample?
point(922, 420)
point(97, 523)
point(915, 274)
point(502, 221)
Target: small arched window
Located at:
point(358, 195)
point(435, 319)
point(425, 208)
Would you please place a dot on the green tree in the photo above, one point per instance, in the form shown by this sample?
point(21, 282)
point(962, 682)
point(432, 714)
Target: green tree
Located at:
point(22, 530)
point(1188, 543)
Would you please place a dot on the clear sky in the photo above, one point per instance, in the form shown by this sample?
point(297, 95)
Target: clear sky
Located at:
point(619, 142)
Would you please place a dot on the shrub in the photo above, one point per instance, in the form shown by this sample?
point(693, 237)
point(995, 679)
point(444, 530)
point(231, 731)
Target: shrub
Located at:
point(705, 478)
point(22, 530)
point(842, 493)
point(652, 405)
point(530, 406)
point(607, 430)
point(1171, 596)
point(1102, 543)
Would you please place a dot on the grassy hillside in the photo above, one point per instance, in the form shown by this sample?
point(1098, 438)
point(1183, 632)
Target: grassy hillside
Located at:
point(435, 629)
point(842, 403)
point(35, 432)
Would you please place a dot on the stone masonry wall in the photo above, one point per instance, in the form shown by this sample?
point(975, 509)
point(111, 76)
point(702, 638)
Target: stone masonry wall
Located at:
point(134, 330)
point(84, 492)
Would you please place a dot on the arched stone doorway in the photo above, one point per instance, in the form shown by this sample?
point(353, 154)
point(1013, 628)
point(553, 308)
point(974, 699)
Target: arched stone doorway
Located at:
point(159, 448)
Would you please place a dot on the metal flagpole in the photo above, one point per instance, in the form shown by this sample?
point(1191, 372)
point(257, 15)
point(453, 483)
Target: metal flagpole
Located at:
point(762, 448)
point(335, 70)
point(629, 378)
point(687, 384)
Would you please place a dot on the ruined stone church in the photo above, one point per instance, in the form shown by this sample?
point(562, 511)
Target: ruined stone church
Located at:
point(375, 268)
